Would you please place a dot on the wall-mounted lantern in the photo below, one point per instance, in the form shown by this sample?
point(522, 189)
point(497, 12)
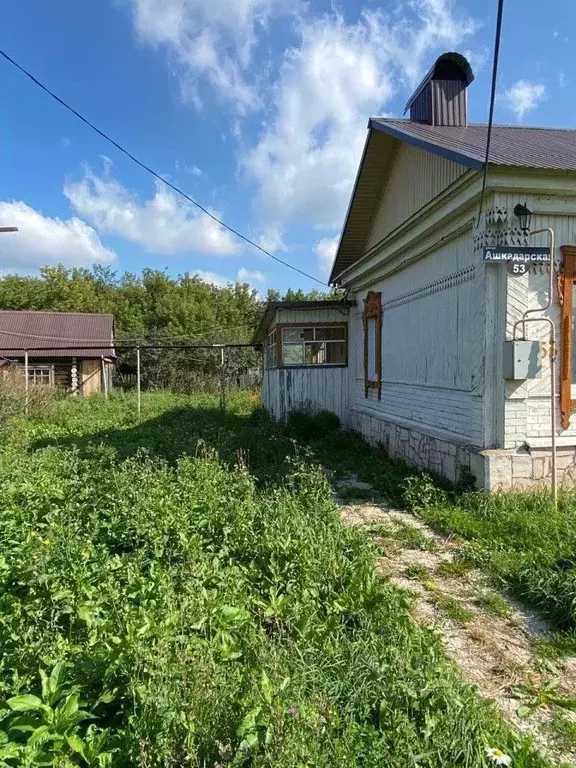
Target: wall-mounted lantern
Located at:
point(524, 215)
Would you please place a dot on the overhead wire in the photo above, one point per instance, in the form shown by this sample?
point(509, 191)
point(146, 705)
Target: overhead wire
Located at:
point(491, 110)
point(154, 173)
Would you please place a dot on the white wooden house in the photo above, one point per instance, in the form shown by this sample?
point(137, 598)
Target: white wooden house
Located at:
point(423, 372)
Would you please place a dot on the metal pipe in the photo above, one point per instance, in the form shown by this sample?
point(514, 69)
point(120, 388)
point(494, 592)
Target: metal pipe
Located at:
point(138, 390)
point(553, 419)
point(87, 348)
point(551, 237)
point(26, 382)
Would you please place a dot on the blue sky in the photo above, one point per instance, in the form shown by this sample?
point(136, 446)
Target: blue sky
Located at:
point(257, 108)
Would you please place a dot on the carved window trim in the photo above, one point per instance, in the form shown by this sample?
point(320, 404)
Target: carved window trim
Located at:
point(373, 309)
point(566, 280)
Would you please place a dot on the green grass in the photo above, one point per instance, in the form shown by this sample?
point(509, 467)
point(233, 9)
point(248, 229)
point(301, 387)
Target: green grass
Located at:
point(494, 603)
point(525, 547)
point(200, 611)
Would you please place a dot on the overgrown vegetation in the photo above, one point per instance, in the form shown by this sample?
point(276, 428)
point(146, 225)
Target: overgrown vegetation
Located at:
point(528, 549)
point(166, 611)
point(522, 543)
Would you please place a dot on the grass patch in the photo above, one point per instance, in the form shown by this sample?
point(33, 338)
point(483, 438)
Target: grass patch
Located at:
point(456, 567)
point(411, 537)
point(450, 606)
point(494, 603)
point(562, 732)
point(168, 610)
point(417, 572)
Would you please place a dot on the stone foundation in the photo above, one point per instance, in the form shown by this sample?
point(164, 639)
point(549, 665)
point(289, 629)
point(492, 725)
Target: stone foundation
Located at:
point(418, 449)
point(528, 468)
point(514, 469)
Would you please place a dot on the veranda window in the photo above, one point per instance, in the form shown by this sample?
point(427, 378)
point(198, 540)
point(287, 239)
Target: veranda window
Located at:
point(372, 322)
point(314, 345)
point(41, 374)
point(270, 356)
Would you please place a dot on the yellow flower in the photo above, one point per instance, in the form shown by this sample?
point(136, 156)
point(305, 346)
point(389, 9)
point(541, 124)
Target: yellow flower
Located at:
point(33, 534)
point(497, 756)
point(46, 542)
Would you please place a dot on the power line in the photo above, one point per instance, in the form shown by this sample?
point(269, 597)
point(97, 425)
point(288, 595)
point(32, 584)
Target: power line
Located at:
point(156, 175)
point(492, 100)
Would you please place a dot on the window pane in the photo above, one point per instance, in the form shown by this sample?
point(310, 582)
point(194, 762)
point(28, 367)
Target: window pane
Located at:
point(293, 354)
point(315, 354)
point(39, 375)
point(371, 333)
point(336, 353)
point(330, 334)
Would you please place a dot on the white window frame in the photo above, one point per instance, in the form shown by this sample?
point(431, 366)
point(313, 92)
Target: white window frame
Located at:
point(270, 350)
point(37, 375)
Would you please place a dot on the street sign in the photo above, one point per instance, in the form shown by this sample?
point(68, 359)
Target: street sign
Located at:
point(518, 259)
point(519, 254)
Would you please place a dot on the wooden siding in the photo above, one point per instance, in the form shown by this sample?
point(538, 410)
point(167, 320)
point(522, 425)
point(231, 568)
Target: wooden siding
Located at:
point(328, 315)
point(315, 389)
point(416, 178)
point(433, 335)
point(90, 377)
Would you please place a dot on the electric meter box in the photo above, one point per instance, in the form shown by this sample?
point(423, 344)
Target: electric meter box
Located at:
point(522, 360)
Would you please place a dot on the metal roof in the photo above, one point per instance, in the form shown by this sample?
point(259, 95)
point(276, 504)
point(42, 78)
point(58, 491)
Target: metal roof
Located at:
point(25, 329)
point(551, 149)
point(524, 147)
point(272, 306)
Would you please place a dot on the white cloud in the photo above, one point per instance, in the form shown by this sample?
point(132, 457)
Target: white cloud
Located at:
point(306, 157)
point(325, 250)
point(164, 224)
point(254, 279)
point(524, 96)
point(213, 278)
point(193, 170)
point(210, 38)
point(42, 241)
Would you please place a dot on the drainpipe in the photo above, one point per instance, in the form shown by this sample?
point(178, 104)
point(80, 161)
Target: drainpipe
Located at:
point(525, 319)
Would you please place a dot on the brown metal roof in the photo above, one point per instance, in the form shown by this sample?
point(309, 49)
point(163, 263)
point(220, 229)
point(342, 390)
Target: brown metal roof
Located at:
point(524, 147)
point(62, 334)
point(551, 149)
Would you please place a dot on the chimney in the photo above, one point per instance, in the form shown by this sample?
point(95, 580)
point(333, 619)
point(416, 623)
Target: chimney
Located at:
point(440, 99)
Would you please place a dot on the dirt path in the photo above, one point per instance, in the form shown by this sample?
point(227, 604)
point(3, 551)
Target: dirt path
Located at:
point(496, 644)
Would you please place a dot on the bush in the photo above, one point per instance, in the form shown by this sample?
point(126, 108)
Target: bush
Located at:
point(420, 492)
point(13, 396)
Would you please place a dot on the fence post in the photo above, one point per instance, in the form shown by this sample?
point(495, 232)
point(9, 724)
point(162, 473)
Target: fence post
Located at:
point(104, 378)
point(26, 382)
point(222, 380)
point(138, 389)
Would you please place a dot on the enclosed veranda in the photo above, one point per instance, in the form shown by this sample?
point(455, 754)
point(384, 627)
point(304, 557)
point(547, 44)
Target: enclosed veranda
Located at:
point(305, 357)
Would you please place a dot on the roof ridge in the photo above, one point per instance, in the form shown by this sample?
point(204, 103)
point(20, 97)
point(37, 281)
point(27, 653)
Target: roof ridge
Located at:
point(408, 121)
point(53, 312)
